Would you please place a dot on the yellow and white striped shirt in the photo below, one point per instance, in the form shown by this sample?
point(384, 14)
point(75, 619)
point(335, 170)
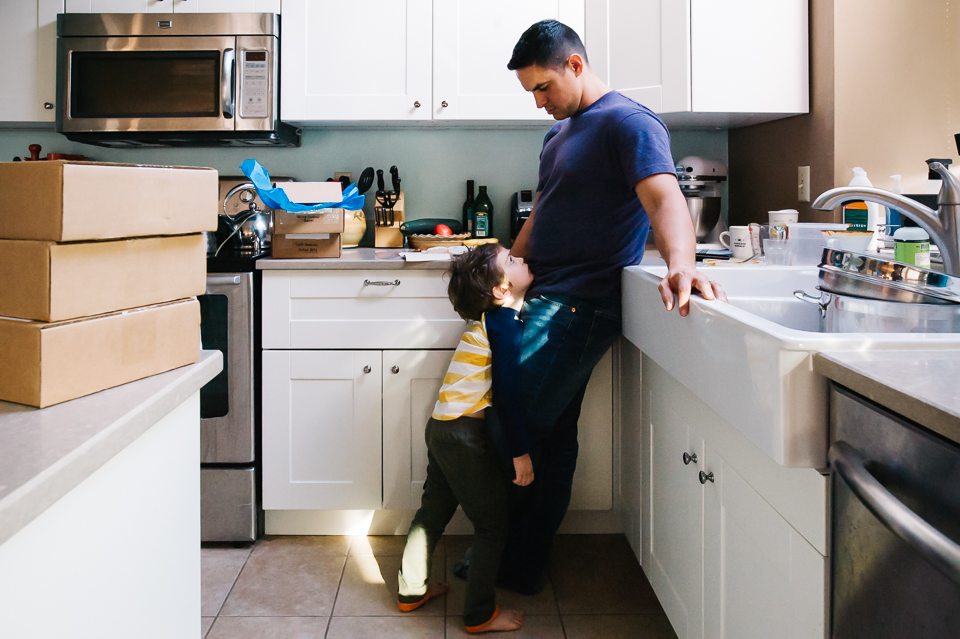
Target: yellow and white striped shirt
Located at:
point(467, 385)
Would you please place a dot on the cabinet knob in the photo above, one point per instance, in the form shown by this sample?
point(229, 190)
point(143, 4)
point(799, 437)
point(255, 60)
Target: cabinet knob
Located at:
point(416, 105)
point(367, 369)
point(687, 458)
point(48, 105)
point(394, 369)
point(444, 104)
point(705, 477)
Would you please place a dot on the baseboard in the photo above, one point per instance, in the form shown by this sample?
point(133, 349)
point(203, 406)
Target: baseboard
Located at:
point(397, 522)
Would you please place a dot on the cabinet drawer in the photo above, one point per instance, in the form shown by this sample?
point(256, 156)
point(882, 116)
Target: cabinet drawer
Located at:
point(358, 309)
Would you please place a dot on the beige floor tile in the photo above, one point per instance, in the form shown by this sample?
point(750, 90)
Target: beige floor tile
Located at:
point(219, 568)
point(375, 627)
point(377, 545)
point(599, 574)
point(269, 628)
point(369, 589)
point(289, 577)
point(534, 627)
point(647, 626)
point(205, 623)
point(544, 603)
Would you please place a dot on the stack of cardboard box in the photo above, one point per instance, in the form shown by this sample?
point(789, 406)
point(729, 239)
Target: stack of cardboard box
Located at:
point(98, 263)
point(313, 233)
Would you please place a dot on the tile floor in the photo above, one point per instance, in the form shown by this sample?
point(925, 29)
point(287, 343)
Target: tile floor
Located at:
point(345, 587)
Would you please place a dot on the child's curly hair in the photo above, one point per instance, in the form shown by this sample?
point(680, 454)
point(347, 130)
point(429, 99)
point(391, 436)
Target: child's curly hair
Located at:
point(473, 276)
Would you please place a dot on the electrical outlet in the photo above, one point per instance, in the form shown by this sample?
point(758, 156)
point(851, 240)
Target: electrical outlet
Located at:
point(336, 176)
point(803, 183)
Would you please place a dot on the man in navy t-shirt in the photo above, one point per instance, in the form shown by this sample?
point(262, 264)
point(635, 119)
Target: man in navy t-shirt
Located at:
point(607, 178)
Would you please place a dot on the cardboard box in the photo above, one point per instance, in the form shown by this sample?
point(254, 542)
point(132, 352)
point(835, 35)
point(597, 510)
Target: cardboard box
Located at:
point(306, 245)
point(43, 364)
point(322, 221)
point(64, 201)
point(51, 282)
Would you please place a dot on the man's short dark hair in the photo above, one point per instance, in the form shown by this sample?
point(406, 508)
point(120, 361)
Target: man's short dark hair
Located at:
point(548, 43)
point(473, 276)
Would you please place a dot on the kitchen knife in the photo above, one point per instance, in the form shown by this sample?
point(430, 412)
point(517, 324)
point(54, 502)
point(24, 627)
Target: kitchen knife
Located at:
point(395, 179)
point(379, 197)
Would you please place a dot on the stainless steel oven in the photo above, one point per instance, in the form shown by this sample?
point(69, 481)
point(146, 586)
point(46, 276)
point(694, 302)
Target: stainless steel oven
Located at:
point(170, 79)
point(228, 501)
point(895, 549)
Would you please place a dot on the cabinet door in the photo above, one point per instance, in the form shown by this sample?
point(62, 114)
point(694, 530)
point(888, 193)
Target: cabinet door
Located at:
point(749, 56)
point(119, 6)
point(367, 60)
point(593, 481)
point(760, 577)
point(226, 6)
point(28, 36)
point(411, 383)
point(673, 521)
point(628, 50)
point(472, 43)
point(321, 430)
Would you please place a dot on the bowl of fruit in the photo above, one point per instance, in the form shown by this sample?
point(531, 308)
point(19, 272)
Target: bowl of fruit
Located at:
point(427, 233)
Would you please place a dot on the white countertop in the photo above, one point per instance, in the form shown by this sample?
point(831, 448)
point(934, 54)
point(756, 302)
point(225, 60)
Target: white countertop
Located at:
point(353, 259)
point(46, 453)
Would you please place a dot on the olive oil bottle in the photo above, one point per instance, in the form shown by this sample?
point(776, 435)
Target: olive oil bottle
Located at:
point(483, 215)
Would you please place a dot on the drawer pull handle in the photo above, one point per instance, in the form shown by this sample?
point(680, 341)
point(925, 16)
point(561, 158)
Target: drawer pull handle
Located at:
point(367, 369)
point(395, 369)
point(687, 458)
point(381, 283)
point(705, 477)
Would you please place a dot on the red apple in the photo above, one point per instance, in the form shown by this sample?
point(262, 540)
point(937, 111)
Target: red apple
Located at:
point(442, 229)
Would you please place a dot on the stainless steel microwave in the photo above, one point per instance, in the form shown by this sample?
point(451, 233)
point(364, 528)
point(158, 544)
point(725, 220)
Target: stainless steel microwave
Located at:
point(165, 79)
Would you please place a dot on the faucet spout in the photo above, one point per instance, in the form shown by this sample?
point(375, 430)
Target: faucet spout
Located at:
point(940, 225)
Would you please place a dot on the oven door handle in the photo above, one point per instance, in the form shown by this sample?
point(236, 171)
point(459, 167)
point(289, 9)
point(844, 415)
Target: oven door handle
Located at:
point(942, 553)
point(228, 93)
point(222, 280)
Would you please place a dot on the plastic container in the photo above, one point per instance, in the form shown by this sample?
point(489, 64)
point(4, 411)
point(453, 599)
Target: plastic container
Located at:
point(806, 251)
point(912, 246)
point(893, 215)
point(873, 210)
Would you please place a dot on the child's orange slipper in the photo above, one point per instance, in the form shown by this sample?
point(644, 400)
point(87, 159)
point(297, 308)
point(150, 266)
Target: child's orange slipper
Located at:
point(407, 603)
point(486, 624)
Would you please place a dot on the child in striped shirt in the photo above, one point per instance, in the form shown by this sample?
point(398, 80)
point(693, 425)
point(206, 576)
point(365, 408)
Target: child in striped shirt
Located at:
point(486, 287)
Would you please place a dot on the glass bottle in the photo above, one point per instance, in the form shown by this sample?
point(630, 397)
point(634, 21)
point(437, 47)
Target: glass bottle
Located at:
point(468, 207)
point(483, 214)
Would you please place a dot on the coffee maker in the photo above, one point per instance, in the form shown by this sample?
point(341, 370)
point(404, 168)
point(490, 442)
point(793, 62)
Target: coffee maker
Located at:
point(521, 206)
point(700, 180)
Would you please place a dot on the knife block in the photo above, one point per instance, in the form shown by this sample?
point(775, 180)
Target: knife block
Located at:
point(389, 236)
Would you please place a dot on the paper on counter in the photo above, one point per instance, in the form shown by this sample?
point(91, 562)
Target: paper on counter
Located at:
point(416, 256)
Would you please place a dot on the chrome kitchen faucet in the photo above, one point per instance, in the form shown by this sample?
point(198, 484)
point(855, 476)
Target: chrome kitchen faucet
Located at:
point(943, 225)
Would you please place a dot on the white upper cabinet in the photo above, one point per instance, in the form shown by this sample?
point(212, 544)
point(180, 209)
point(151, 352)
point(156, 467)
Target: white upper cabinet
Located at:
point(472, 43)
point(226, 6)
point(28, 41)
point(704, 61)
point(366, 60)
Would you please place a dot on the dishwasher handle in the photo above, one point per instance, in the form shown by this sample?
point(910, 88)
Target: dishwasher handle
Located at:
point(942, 553)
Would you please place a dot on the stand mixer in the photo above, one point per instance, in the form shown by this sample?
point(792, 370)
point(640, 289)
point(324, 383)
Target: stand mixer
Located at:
point(700, 180)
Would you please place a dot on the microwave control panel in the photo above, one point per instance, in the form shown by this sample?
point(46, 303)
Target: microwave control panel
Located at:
point(254, 94)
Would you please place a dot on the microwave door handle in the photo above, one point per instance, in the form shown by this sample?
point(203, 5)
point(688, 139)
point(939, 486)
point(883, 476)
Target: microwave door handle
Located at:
point(942, 553)
point(228, 95)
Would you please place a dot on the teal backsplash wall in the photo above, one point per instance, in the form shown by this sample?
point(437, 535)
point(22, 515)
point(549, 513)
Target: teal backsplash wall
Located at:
point(434, 162)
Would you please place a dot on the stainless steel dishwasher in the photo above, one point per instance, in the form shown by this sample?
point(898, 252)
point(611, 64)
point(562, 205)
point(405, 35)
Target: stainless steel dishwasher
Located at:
point(895, 548)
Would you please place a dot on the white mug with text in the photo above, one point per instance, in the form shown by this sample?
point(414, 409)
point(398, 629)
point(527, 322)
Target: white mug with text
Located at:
point(739, 242)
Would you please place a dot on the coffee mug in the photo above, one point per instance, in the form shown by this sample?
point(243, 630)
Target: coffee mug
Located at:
point(739, 242)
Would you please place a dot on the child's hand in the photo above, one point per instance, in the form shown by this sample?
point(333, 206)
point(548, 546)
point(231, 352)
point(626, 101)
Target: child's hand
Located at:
point(523, 467)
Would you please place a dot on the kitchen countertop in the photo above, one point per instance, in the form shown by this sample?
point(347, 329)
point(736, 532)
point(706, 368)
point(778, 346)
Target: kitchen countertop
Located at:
point(920, 385)
point(46, 453)
point(353, 259)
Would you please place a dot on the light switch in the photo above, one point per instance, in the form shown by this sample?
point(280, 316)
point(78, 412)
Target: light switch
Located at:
point(803, 183)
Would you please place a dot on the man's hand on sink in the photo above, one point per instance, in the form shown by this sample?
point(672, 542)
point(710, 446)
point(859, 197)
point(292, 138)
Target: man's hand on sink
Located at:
point(676, 287)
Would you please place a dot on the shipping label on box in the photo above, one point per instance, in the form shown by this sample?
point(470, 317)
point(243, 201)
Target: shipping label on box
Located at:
point(63, 201)
point(322, 221)
point(306, 245)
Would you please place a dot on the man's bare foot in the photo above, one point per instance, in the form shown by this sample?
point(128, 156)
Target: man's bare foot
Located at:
point(433, 590)
point(507, 621)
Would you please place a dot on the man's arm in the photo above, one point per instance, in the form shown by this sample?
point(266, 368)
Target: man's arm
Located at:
point(673, 232)
point(522, 244)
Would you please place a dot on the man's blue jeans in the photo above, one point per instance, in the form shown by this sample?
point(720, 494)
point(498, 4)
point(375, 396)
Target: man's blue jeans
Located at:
point(563, 339)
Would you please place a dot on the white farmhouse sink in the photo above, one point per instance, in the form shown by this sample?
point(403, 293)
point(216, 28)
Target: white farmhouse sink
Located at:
point(751, 360)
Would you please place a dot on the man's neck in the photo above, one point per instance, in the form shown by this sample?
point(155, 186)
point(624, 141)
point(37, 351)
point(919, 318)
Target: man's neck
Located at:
point(593, 89)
